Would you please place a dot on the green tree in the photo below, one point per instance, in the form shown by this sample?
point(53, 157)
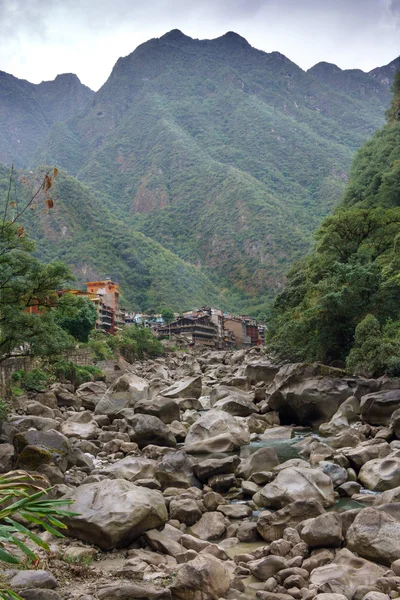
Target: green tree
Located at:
point(27, 288)
point(77, 315)
point(168, 315)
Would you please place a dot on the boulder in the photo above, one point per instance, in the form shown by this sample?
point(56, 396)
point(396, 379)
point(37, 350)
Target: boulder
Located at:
point(308, 394)
point(90, 393)
point(112, 404)
point(395, 423)
point(350, 438)
point(261, 370)
point(215, 466)
point(236, 406)
point(146, 429)
point(296, 483)
point(375, 535)
point(266, 567)
point(113, 514)
point(263, 459)
point(377, 408)
point(219, 443)
point(189, 387)
point(175, 470)
point(381, 474)
point(6, 457)
point(133, 468)
point(215, 423)
point(80, 425)
point(130, 591)
point(345, 574)
point(203, 578)
point(322, 531)
point(211, 526)
point(185, 510)
point(166, 409)
point(367, 451)
point(347, 413)
point(124, 393)
point(271, 525)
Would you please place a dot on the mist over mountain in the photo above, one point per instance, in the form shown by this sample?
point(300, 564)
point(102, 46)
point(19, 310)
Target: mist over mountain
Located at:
point(227, 156)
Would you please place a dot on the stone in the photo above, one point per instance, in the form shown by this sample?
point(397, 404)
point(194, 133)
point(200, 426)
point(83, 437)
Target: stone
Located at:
point(113, 515)
point(175, 469)
point(131, 591)
point(366, 451)
point(376, 596)
point(236, 405)
point(375, 535)
point(350, 438)
point(39, 410)
point(80, 425)
point(381, 474)
point(47, 399)
point(322, 531)
point(271, 525)
point(190, 387)
point(147, 429)
point(211, 526)
point(161, 542)
point(308, 394)
point(6, 457)
point(263, 459)
point(261, 370)
point(215, 423)
point(203, 578)
point(345, 574)
point(225, 442)
point(33, 579)
point(235, 511)
point(166, 409)
point(377, 408)
point(215, 466)
point(90, 393)
point(247, 532)
point(296, 483)
point(337, 474)
point(266, 567)
point(185, 510)
point(222, 483)
point(395, 423)
point(39, 594)
point(133, 468)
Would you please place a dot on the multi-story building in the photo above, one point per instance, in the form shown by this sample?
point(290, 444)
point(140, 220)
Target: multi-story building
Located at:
point(111, 317)
point(238, 327)
point(196, 330)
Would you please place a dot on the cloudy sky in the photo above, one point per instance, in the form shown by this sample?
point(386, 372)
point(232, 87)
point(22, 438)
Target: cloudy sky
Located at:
point(42, 38)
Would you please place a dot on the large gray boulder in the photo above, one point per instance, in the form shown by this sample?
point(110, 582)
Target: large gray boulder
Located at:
point(175, 469)
point(147, 429)
point(215, 423)
point(263, 459)
point(296, 483)
point(133, 468)
point(322, 531)
point(237, 404)
point(308, 394)
point(377, 408)
point(347, 413)
point(112, 514)
point(203, 578)
point(189, 387)
point(211, 526)
point(345, 574)
point(261, 370)
point(381, 474)
point(366, 451)
point(271, 525)
point(166, 409)
point(375, 535)
point(80, 425)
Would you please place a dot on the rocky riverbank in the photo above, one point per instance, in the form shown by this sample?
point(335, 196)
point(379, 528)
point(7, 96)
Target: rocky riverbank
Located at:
point(216, 475)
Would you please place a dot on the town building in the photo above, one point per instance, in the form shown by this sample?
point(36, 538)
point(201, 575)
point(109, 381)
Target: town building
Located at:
point(238, 327)
point(196, 330)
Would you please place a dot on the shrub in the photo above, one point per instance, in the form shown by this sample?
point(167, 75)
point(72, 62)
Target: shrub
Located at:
point(33, 381)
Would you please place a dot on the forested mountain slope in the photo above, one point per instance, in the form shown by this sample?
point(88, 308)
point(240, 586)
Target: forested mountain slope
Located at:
point(80, 231)
point(228, 156)
point(342, 300)
point(27, 112)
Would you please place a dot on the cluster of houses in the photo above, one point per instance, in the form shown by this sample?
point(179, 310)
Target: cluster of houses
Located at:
point(205, 326)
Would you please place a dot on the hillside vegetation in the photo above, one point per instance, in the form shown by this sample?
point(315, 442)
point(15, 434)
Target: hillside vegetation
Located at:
point(342, 300)
point(27, 112)
point(227, 156)
point(80, 231)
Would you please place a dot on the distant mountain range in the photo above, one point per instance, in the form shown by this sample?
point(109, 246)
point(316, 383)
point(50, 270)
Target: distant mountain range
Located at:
point(227, 156)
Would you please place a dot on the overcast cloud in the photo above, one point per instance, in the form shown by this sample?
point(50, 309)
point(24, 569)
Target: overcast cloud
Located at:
point(42, 38)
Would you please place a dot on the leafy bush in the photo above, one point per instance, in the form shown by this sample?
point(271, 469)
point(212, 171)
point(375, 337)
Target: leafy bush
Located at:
point(137, 342)
point(24, 495)
point(33, 381)
point(70, 372)
point(375, 352)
